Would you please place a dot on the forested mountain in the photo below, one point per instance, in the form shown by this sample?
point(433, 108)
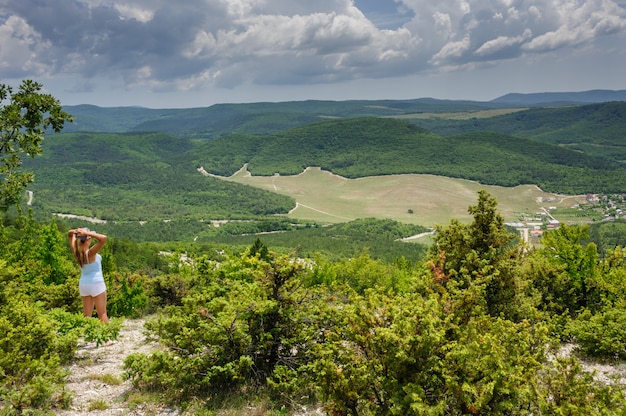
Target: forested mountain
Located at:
point(133, 177)
point(266, 117)
point(595, 129)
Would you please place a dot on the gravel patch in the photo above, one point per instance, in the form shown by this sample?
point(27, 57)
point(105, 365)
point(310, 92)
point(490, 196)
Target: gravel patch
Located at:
point(96, 382)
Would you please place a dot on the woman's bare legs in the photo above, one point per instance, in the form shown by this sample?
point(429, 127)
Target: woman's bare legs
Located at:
point(88, 305)
point(99, 302)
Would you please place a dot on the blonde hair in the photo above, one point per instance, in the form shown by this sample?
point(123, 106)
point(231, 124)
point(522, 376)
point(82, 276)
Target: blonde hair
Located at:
point(78, 249)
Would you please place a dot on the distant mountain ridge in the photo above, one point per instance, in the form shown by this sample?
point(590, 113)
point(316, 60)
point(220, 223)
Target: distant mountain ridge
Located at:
point(583, 97)
point(266, 117)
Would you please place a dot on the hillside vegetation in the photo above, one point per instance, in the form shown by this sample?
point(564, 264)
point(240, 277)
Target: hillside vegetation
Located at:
point(379, 239)
point(250, 118)
point(132, 177)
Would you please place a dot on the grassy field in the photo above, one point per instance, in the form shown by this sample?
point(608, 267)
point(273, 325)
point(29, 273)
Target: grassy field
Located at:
point(416, 199)
point(462, 115)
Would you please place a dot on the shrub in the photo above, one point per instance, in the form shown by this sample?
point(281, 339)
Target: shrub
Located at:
point(231, 333)
point(31, 354)
point(90, 329)
point(602, 334)
point(126, 296)
point(565, 389)
point(404, 355)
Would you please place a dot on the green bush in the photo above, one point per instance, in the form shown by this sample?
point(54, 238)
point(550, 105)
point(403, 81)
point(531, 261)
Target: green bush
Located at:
point(169, 289)
point(602, 334)
point(126, 296)
point(232, 333)
point(565, 389)
point(404, 355)
point(32, 352)
point(87, 328)
point(206, 340)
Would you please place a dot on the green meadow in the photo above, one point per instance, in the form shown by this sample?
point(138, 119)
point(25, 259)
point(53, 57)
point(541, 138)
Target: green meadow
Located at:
point(410, 198)
point(461, 115)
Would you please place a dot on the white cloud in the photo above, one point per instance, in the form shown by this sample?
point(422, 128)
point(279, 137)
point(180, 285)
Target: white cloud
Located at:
point(580, 24)
point(465, 7)
point(443, 24)
point(494, 46)
point(452, 50)
point(137, 13)
point(18, 47)
point(534, 12)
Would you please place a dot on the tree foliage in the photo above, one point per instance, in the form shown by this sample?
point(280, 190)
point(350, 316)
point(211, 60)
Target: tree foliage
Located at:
point(141, 177)
point(24, 117)
point(476, 263)
point(594, 129)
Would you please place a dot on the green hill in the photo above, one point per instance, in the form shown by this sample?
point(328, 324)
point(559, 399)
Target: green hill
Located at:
point(363, 147)
point(595, 129)
point(136, 177)
point(551, 98)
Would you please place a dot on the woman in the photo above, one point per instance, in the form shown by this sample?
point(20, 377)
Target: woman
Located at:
point(91, 284)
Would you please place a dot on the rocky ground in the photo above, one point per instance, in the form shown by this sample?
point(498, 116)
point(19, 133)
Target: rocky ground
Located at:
point(96, 381)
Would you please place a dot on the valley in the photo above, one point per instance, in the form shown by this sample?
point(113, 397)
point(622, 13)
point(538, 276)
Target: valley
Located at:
point(167, 175)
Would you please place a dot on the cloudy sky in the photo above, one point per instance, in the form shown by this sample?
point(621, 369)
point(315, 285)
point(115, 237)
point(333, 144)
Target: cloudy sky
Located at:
point(189, 53)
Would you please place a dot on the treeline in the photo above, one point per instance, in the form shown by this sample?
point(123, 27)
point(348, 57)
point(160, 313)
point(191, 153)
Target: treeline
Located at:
point(379, 238)
point(474, 328)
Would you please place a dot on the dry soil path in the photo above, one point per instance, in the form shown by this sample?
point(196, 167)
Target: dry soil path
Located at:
point(96, 382)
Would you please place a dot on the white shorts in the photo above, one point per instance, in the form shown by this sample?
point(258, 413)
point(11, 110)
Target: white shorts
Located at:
point(91, 289)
